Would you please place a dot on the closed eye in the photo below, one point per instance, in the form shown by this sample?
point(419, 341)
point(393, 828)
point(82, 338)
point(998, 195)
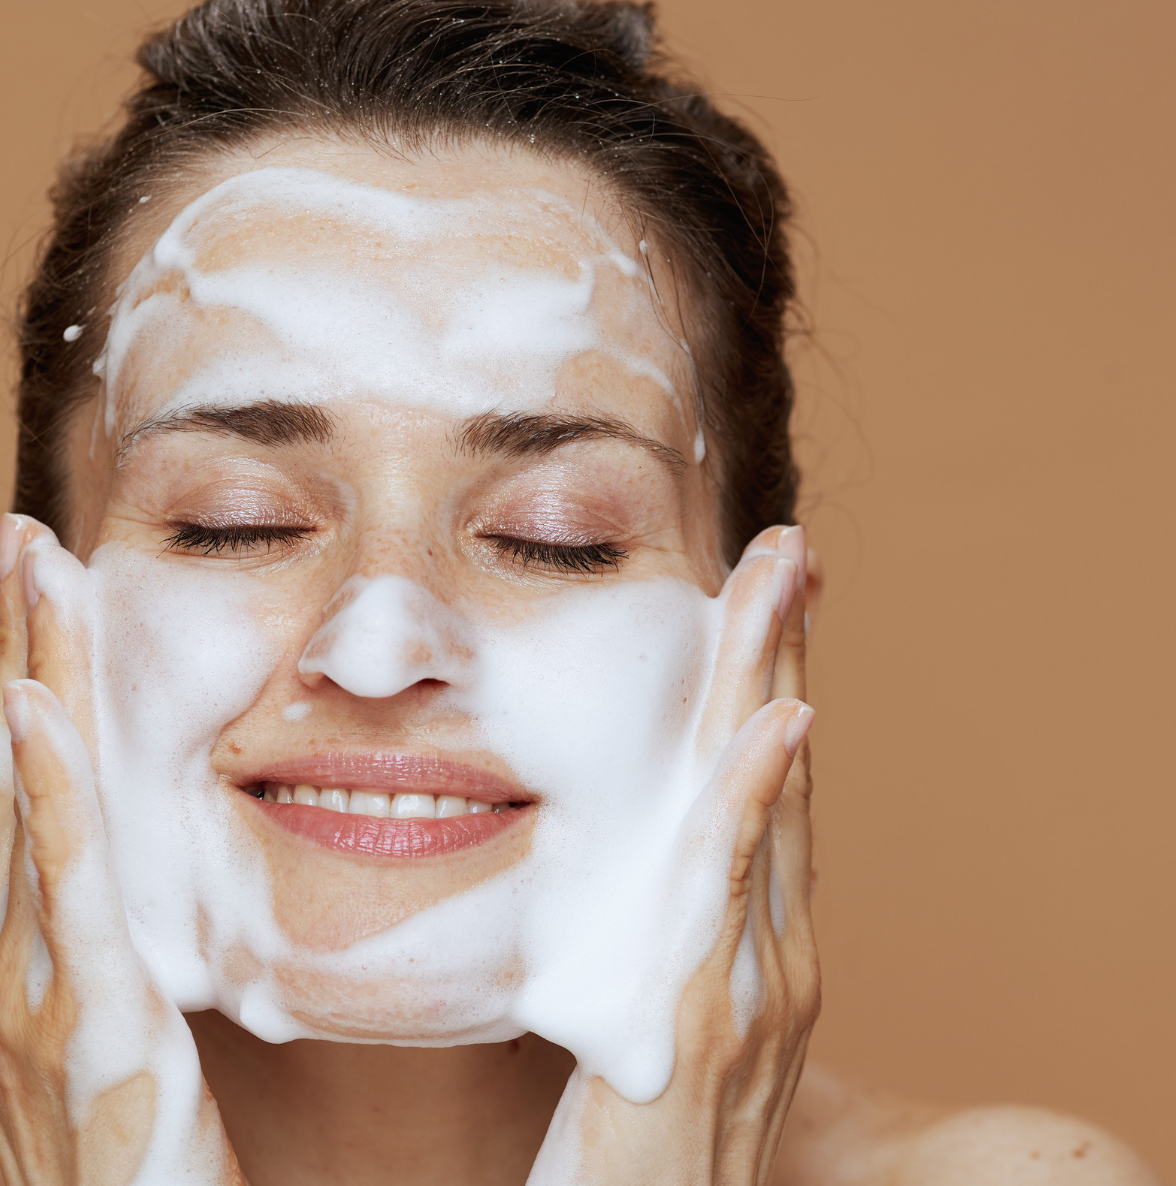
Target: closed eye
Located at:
point(582, 559)
point(209, 540)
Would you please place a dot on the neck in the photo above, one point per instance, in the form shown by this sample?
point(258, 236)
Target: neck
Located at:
point(307, 1113)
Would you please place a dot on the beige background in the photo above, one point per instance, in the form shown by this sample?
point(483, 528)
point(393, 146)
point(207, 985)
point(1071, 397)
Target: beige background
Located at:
point(987, 199)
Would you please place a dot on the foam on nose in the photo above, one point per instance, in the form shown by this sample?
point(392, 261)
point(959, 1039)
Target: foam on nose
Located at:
point(383, 634)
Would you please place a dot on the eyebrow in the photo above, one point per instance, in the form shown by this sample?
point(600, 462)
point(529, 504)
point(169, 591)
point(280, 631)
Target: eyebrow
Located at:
point(521, 435)
point(266, 423)
point(517, 434)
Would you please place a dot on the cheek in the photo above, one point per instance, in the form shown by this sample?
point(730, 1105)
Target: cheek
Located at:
point(183, 654)
point(588, 700)
point(186, 649)
point(597, 707)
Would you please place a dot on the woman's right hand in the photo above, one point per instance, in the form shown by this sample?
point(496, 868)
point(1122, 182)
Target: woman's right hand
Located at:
point(100, 1081)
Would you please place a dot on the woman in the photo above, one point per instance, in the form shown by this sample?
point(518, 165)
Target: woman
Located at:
point(415, 697)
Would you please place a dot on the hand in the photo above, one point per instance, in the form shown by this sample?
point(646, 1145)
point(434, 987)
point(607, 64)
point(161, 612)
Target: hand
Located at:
point(719, 1121)
point(100, 1081)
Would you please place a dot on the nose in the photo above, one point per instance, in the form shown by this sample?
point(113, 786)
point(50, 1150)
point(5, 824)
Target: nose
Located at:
point(383, 634)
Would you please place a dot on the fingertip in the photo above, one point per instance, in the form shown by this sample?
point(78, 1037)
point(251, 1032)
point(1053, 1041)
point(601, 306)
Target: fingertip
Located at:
point(16, 709)
point(792, 545)
point(798, 726)
point(764, 544)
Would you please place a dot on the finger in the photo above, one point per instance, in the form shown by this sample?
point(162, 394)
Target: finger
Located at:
point(754, 602)
point(788, 676)
point(15, 532)
point(57, 594)
point(80, 907)
point(21, 985)
point(55, 785)
point(762, 762)
point(790, 843)
point(782, 856)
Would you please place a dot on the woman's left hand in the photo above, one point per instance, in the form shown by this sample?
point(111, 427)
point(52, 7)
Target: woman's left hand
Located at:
point(719, 1121)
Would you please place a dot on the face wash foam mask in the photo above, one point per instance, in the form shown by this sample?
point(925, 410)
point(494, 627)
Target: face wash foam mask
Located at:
point(594, 701)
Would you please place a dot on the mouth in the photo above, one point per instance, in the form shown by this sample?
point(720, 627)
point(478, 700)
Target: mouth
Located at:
point(388, 805)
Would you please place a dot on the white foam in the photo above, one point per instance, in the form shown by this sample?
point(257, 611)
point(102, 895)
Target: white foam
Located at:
point(457, 332)
point(594, 701)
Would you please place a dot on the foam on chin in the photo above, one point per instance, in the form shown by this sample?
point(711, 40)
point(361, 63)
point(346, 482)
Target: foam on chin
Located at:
point(594, 701)
point(588, 941)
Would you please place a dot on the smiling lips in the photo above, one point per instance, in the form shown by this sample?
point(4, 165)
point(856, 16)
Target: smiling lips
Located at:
point(389, 805)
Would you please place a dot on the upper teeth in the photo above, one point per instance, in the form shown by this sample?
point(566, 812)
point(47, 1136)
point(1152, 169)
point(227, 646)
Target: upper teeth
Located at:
point(377, 803)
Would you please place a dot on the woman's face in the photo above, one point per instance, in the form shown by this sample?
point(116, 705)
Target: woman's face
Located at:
point(395, 504)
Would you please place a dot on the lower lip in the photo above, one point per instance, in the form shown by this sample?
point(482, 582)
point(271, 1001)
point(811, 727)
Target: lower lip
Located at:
point(365, 835)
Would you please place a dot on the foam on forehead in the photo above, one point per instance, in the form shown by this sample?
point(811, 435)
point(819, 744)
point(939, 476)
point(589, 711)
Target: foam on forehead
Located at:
point(332, 288)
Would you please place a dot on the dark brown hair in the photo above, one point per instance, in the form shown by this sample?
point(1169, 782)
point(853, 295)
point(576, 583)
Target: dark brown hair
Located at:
point(572, 79)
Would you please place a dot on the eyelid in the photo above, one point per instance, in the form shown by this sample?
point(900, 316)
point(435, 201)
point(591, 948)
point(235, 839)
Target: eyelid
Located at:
point(551, 527)
point(228, 487)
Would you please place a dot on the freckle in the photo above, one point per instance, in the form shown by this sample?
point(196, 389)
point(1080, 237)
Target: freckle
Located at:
point(1035, 1155)
point(1082, 1150)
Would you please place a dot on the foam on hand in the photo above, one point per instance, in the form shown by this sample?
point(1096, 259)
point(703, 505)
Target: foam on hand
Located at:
point(594, 701)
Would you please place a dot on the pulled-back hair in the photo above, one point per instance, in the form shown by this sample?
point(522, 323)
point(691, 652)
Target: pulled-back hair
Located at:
point(570, 79)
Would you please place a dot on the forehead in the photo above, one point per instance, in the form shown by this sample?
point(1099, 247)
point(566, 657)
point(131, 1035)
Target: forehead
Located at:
point(459, 285)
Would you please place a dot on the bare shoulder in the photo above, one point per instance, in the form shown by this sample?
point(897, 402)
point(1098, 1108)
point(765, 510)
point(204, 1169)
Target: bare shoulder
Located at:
point(839, 1134)
point(1021, 1146)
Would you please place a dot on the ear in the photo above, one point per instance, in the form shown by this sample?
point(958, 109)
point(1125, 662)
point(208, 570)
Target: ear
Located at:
point(814, 587)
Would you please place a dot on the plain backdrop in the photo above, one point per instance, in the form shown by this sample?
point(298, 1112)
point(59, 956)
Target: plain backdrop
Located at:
point(986, 196)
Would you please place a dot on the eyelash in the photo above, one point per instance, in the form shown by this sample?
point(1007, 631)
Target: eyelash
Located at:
point(586, 559)
point(209, 541)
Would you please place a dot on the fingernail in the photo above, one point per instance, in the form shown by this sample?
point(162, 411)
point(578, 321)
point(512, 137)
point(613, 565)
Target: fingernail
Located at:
point(787, 590)
point(28, 580)
point(793, 546)
point(16, 710)
point(9, 545)
point(797, 727)
point(764, 544)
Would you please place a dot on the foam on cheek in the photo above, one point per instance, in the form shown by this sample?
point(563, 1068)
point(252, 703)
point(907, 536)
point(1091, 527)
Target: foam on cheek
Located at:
point(594, 702)
point(183, 655)
point(597, 707)
point(449, 329)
